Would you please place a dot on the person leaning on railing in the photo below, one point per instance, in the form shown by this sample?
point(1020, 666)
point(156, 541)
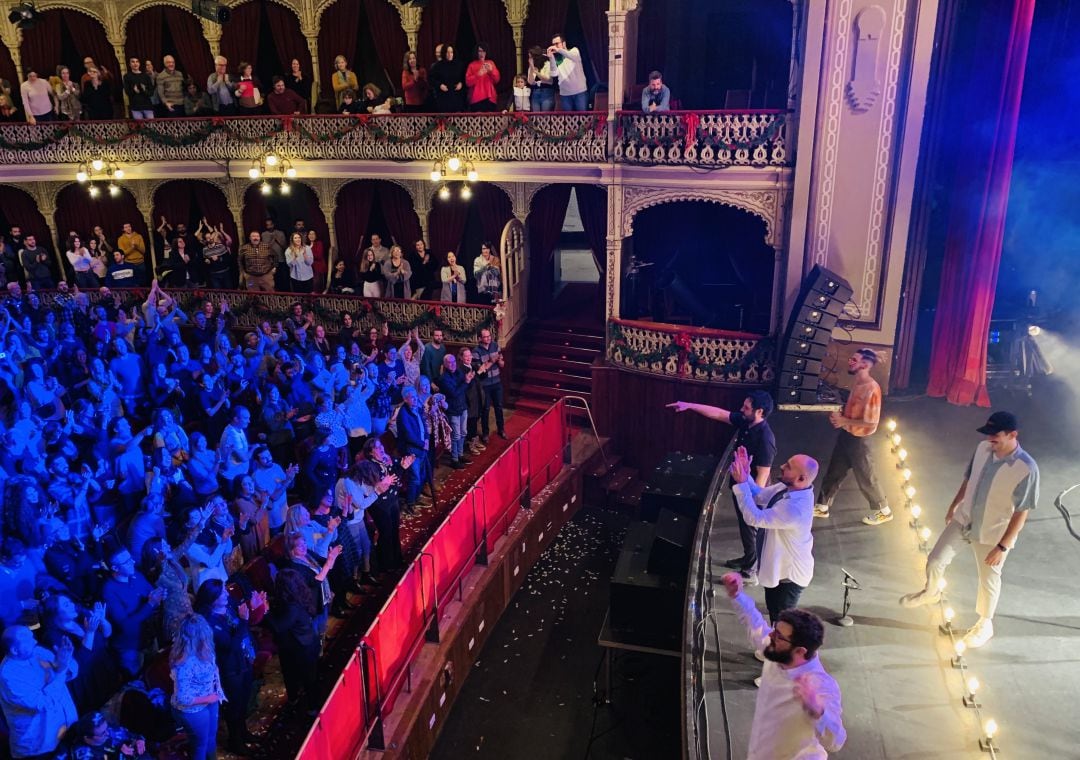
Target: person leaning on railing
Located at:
point(656, 96)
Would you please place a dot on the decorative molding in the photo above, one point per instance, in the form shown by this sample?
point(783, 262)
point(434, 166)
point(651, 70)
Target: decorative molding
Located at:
point(764, 204)
point(864, 87)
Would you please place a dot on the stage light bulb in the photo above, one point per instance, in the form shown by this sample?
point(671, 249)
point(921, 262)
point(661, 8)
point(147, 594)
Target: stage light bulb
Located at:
point(253, 172)
point(895, 438)
point(949, 614)
point(453, 164)
point(916, 511)
point(444, 193)
point(990, 727)
point(271, 159)
point(113, 189)
point(118, 174)
point(890, 425)
point(436, 175)
point(286, 188)
point(959, 647)
point(81, 177)
point(473, 175)
point(901, 455)
point(94, 191)
point(973, 685)
point(290, 172)
point(1034, 330)
point(98, 164)
point(466, 193)
point(265, 188)
point(905, 474)
point(924, 533)
point(941, 584)
point(909, 492)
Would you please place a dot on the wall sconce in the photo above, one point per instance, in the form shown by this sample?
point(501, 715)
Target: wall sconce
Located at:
point(91, 173)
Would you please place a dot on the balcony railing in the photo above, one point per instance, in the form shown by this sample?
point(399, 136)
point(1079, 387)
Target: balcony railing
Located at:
point(702, 138)
point(694, 138)
point(547, 137)
point(691, 353)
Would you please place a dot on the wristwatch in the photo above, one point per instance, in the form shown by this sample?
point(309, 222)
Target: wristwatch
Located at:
point(1003, 548)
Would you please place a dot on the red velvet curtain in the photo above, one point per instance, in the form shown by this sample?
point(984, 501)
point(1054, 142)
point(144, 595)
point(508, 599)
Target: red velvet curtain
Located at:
point(495, 210)
point(389, 38)
point(490, 26)
point(446, 223)
point(75, 210)
point(339, 31)
point(240, 37)
point(301, 203)
point(354, 204)
point(90, 40)
point(192, 49)
point(976, 226)
point(400, 214)
point(592, 206)
point(40, 48)
point(7, 68)
point(544, 227)
point(144, 33)
point(211, 202)
point(254, 214)
point(594, 25)
point(439, 24)
point(544, 20)
point(288, 39)
point(19, 209)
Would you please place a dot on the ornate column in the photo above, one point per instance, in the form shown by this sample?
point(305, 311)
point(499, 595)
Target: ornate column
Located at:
point(143, 190)
point(411, 17)
point(313, 49)
point(44, 193)
point(12, 39)
point(327, 191)
point(621, 57)
point(516, 13)
point(212, 33)
point(615, 234)
point(421, 190)
point(791, 125)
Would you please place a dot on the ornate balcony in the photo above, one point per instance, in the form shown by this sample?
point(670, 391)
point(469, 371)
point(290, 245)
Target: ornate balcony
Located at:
point(719, 139)
point(691, 353)
point(703, 138)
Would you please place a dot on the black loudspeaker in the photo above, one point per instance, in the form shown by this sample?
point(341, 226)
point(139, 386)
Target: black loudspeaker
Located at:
point(642, 603)
point(670, 554)
point(679, 484)
point(820, 305)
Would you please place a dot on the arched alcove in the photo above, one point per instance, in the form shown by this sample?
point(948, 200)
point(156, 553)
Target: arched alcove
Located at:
point(78, 212)
point(462, 23)
point(300, 203)
point(188, 201)
point(267, 35)
point(19, 209)
point(367, 206)
point(65, 36)
point(370, 36)
point(711, 267)
point(162, 30)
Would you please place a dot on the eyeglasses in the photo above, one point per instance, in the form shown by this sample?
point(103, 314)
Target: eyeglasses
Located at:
point(774, 634)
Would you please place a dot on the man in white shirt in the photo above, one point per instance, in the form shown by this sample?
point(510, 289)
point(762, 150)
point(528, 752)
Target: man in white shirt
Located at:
point(233, 449)
point(786, 513)
point(566, 63)
point(798, 712)
point(1000, 487)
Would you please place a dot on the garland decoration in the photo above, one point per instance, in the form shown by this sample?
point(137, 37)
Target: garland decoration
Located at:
point(689, 362)
point(689, 124)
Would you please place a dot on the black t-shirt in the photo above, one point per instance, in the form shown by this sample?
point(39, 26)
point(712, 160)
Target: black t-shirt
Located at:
point(759, 441)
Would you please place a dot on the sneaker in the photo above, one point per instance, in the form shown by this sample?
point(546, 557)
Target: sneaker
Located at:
point(821, 510)
point(919, 599)
point(464, 460)
point(455, 464)
point(878, 518)
point(749, 577)
point(979, 634)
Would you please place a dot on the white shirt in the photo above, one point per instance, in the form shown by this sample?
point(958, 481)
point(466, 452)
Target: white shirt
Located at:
point(570, 72)
point(782, 730)
point(233, 440)
point(788, 553)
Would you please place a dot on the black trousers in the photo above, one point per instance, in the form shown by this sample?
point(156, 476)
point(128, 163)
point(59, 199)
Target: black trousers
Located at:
point(237, 688)
point(386, 512)
point(748, 534)
point(852, 453)
point(493, 397)
point(783, 596)
point(300, 669)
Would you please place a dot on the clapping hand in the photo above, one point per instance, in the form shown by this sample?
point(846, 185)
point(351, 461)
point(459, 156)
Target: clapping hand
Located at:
point(407, 460)
point(806, 692)
point(740, 466)
point(95, 618)
point(64, 650)
point(732, 584)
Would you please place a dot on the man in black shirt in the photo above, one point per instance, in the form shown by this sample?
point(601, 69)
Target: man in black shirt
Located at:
point(753, 433)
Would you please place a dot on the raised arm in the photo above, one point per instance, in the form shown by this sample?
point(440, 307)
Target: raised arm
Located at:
point(712, 412)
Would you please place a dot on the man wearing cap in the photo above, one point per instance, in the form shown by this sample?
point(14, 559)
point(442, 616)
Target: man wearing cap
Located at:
point(1001, 484)
point(858, 422)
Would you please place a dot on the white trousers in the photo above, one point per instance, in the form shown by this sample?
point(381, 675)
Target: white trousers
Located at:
point(941, 556)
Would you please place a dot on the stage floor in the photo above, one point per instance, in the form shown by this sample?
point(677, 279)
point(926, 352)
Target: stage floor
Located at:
point(902, 699)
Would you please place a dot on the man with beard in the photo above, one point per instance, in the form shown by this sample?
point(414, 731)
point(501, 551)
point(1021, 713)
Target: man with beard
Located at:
point(784, 512)
point(852, 450)
point(798, 713)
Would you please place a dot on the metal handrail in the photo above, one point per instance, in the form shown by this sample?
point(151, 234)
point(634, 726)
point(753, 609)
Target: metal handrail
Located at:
point(592, 423)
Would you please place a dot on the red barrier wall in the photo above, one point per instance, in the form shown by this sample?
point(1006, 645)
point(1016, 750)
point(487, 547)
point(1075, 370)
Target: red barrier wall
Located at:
point(397, 633)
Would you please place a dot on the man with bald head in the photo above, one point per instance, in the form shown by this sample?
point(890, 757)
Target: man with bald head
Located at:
point(170, 88)
point(784, 515)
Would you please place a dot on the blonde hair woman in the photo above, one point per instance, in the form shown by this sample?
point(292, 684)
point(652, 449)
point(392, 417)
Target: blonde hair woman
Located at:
point(197, 691)
point(343, 79)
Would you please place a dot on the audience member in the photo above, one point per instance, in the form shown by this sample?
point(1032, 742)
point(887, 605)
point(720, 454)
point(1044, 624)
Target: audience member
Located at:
point(656, 96)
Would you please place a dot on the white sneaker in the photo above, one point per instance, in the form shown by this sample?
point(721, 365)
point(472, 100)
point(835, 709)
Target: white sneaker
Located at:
point(759, 655)
point(821, 510)
point(979, 634)
point(919, 599)
point(877, 518)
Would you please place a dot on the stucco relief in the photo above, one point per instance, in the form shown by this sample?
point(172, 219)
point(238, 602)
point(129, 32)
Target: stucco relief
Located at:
point(864, 87)
point(761, 203)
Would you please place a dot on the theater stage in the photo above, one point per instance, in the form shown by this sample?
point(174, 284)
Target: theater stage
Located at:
point(902, 699)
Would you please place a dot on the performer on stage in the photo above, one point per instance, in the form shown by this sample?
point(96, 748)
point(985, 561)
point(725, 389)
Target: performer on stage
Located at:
point(852, 450)
point(798, 713)
point(988, 517)
point(754, 434)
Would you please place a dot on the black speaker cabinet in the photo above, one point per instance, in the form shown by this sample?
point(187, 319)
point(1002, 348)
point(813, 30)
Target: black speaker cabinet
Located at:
point(679, 483)
point(671, 547)
point(643, 603)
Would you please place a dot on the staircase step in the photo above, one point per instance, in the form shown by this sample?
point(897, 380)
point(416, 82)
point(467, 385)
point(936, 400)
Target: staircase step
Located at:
point(555, 379)
point(559, 351)
point(560, 338)
point(595, 331)
point(620, 479)
point(553, 364)
point(631, 495)
point(606, 467)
